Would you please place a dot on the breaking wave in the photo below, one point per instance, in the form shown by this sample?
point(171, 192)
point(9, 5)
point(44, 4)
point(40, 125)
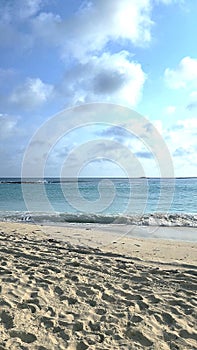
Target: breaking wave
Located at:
point(153, 219)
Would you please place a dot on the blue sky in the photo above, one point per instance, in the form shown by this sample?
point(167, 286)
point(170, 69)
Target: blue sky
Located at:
point(140, 54)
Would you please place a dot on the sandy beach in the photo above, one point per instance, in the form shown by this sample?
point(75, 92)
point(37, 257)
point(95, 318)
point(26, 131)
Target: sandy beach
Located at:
point(89, 287)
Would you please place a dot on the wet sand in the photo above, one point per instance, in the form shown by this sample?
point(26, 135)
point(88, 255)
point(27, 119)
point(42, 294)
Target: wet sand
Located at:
point(95, 287)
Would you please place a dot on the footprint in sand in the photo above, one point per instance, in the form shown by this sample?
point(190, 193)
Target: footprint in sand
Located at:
point(81, 346)
point(167, 318)
point(58, 290)
point(94, 326)
point(139, 337)
point(4, 303)
point(6, 319)
point(136, 319)
point(47, 321)
point(25, 337)
point(142, 305)
point(187, 335)
point(30, 307)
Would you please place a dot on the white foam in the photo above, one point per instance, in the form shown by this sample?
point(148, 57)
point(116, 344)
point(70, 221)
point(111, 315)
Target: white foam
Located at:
point(153, 219)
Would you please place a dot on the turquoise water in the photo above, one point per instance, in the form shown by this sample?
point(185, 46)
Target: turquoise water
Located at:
point(98, 197)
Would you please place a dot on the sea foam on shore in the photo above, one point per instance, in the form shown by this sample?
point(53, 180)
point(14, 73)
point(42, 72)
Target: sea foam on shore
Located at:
point(153, 219)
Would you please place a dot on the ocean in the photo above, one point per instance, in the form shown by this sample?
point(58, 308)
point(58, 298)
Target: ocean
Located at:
point(138, 201)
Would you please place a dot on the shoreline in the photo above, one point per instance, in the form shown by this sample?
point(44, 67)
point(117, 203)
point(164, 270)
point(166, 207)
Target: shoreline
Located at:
point(145, 243)
point(86, 288)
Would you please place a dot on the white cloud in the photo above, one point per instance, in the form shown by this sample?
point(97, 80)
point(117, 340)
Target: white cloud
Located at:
point(8, 126)
point(193, 95)
point(110, 78)
point(28, 8)
point(158, 125)
point(192, 105)
point(84, 35)
point(94, 25)
point(90, 29)
point(170, 110)
point(31, 94)
point(169, 2)
point(184, 75)
point(189, 125)
point(14, 20)
point(180, 139)
point(19, 9)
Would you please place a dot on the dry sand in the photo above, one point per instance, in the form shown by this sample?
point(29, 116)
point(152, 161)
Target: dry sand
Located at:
point(82, 288)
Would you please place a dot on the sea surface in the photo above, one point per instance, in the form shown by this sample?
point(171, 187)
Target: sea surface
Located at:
point(138, 201)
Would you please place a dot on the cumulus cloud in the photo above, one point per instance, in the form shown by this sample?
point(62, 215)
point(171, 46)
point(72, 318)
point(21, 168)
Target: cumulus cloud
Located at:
point(28, 8)
point(109, 78)
point(12, 14)
point(95, 24)
point(184, 75)
point(96, 74)
point(31, 94)
point(88, 30)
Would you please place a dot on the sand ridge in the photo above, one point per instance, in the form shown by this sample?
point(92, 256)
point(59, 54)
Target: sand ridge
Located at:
point(58, 295)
